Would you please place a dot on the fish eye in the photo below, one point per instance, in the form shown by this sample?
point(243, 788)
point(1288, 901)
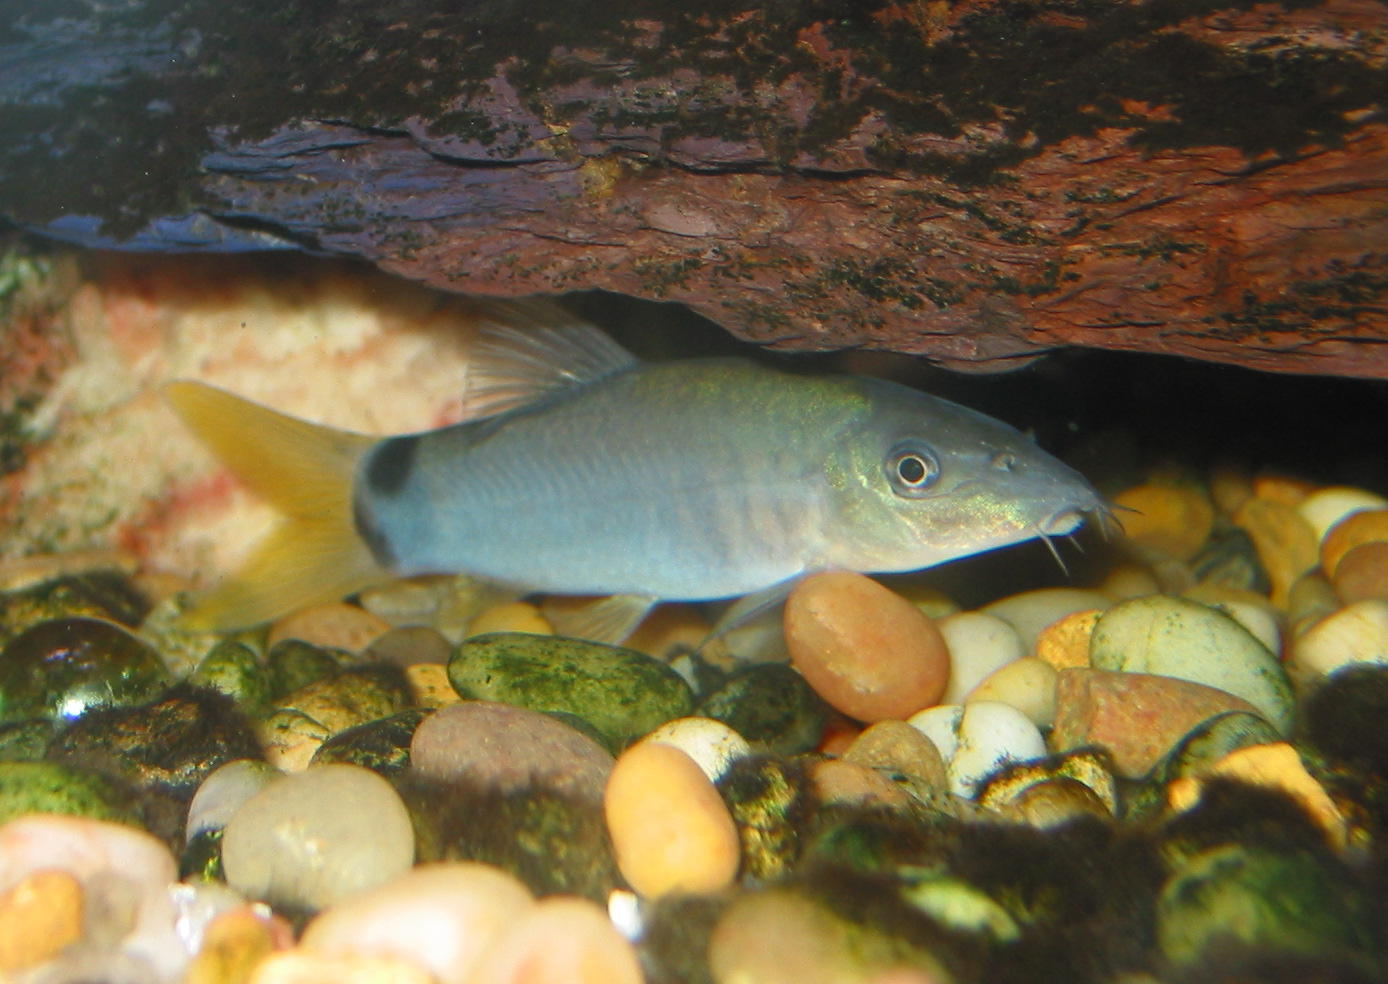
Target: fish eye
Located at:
point(911, 468)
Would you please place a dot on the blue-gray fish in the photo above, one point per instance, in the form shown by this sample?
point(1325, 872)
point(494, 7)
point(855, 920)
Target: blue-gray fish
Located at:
point(585, 471)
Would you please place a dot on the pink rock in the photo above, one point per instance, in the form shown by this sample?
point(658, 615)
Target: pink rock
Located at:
point(1138, 717)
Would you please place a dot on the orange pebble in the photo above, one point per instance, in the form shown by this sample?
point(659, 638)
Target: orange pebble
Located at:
point(39, 916)
point(337, 626)
point(560, 940)
point(867, 651)
point(1173, 519)
point(1362, 573)
point(1350, 532)
point(1282, 489)
point(1065, 642)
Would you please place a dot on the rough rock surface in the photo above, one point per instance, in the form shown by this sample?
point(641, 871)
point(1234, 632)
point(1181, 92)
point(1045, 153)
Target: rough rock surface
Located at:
point(978, 181)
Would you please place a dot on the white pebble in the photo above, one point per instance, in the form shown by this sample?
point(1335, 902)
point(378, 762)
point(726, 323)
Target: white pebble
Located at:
point(1031, 611)
point(941, 725)
point(1026, 684)
point(991, 736)
point(1324, 508)
point(224, 790)
point(979, 644)
point(313, 837)
point(711, 744)
point(1357, 633)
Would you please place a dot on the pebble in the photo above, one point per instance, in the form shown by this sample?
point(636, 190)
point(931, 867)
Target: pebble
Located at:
point(1274, 766)
point(307, 967)
point(289, 739)
point(1357, 633)
point(1285, 542)
point(670, 829)
point(351, 697)
point(1179, 638)
point(896, 746)
point(292, 664)
point(1065, 642)
point(1032, 611)
point(838, 782)
point(48, 787)
point(1325, 508)
point(126, 873)
point(978, 739)
point(1362, 572)
point(621, 692)
point(710, 743)
point(1284, 490)
point(62, 667)
point(336, 625)
point(224, 791)
point(559, 940)
point(235, 942)
point(1311, 599)
point(1027, 684)
point(411, 645)
point(771, 706)
point(508, 749)
point(310, 839)
point(1251, 610)
point(1137, 717)
point(234, 669)
point(511, 616)
point(979, 644)
point(1358, 528)
point(382, 745)
point(1175, 520)
point(442, 916)
point(39, 917)
point(867, 651)
point(1128, 581)
point(669, 630)
point(429, 685)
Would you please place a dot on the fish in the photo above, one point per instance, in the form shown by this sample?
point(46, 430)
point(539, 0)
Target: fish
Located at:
point(580, 470)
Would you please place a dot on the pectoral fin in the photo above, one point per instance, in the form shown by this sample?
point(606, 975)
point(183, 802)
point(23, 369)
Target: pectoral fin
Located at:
point(610, 620)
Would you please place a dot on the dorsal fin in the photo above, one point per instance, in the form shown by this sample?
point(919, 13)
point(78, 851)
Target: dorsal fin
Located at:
point(531, 349)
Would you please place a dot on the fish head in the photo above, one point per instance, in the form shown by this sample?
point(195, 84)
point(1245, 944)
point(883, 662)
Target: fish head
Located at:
point(916, 480)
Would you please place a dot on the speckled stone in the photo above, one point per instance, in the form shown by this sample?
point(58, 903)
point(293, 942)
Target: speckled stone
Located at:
point(382, 745)
point(233, 668)
point(351, 697)
point(621, 692)
point(46, 787)
point(771, 706)
point(896, 746)
point(107, 595)
point(62, 668)
point(508, 748)
point(293, 663)
point(25, 741)
point(314, 837)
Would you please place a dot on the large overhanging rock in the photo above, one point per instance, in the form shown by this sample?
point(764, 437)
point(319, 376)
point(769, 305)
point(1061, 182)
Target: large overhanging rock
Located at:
point(976, 181)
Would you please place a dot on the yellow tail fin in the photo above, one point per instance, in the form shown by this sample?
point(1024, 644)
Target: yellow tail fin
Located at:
point(306, 471)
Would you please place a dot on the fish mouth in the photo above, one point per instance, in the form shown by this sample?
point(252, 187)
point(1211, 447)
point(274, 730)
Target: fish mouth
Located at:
point(1065, 521)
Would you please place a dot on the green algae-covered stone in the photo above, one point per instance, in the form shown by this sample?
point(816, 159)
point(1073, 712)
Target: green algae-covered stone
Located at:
point(351, 697)
point(47, 787)
point(293, 663)
point(62, 668)
point(25, 741)
point(771, 706)
point(382, 745)
point(234, 669)
point(1271, 903)
point(97, 594)
point(621, 692)
point(1184, 639)
point(771, 802)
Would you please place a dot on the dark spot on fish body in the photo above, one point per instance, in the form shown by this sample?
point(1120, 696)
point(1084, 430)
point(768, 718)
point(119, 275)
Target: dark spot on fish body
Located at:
point(390, 464)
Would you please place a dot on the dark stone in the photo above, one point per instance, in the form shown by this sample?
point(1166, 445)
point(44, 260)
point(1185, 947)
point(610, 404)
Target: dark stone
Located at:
point(771, 706)
point(234, 669)
point(293, 663)
point(382, 745)
point(97, 594)
point(25, 741)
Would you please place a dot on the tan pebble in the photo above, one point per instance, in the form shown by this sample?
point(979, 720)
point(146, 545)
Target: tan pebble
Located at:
point(429, 685)
point(289, 738)
point(336, 626)
point(1231, 486)
point(1285, 543)
point(1065, 643)
point(929, 599)
point(1311, 599)
point(1350, 532)
point(512, 616)
point(1363, 572)
point(1129, 581)
point(407, 645)
point(306, 967)
point(39, 916)
point(1030, 612)
point(670, 830)
point(1027, 684)
point(868, 652)
point(669, 630)
point(1054, 801)
point(442, 916)
point(1274, 766)
point(559, 940)
point(839, 733)
point(848, 783)
point(1357, 633)
point(898, 747)
point(978, 645)
point(1324, 508)
point(1285, 490)
point(234, 943)
point(1175, 520)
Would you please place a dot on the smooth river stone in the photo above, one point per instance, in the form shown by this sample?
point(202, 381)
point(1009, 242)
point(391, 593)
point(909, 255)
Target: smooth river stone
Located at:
point(39, 916)
point(1285, 542)
point(442, 915)
point(1357, 633)
point(771, 706)
point(1137, 717)
point(559, 940)
point(670, 829)
point(508, 749)
point(311, 838)
point(48, 787)
point(224, 792)
point(979, 644)
point(1032, 611)
point(1324, 508)
point(621, 692)
point(1350, 532)
point(1026, 684)
point(61, 668)
point(710, 743)
point(335, 625)
point(896, 746)
point(978, 739)
point(1175, 520)
point(1183, 639)
point(1362, 572)
point(867, 651)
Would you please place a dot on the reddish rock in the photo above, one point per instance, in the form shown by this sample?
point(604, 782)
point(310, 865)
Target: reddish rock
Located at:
point(1137, 717)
